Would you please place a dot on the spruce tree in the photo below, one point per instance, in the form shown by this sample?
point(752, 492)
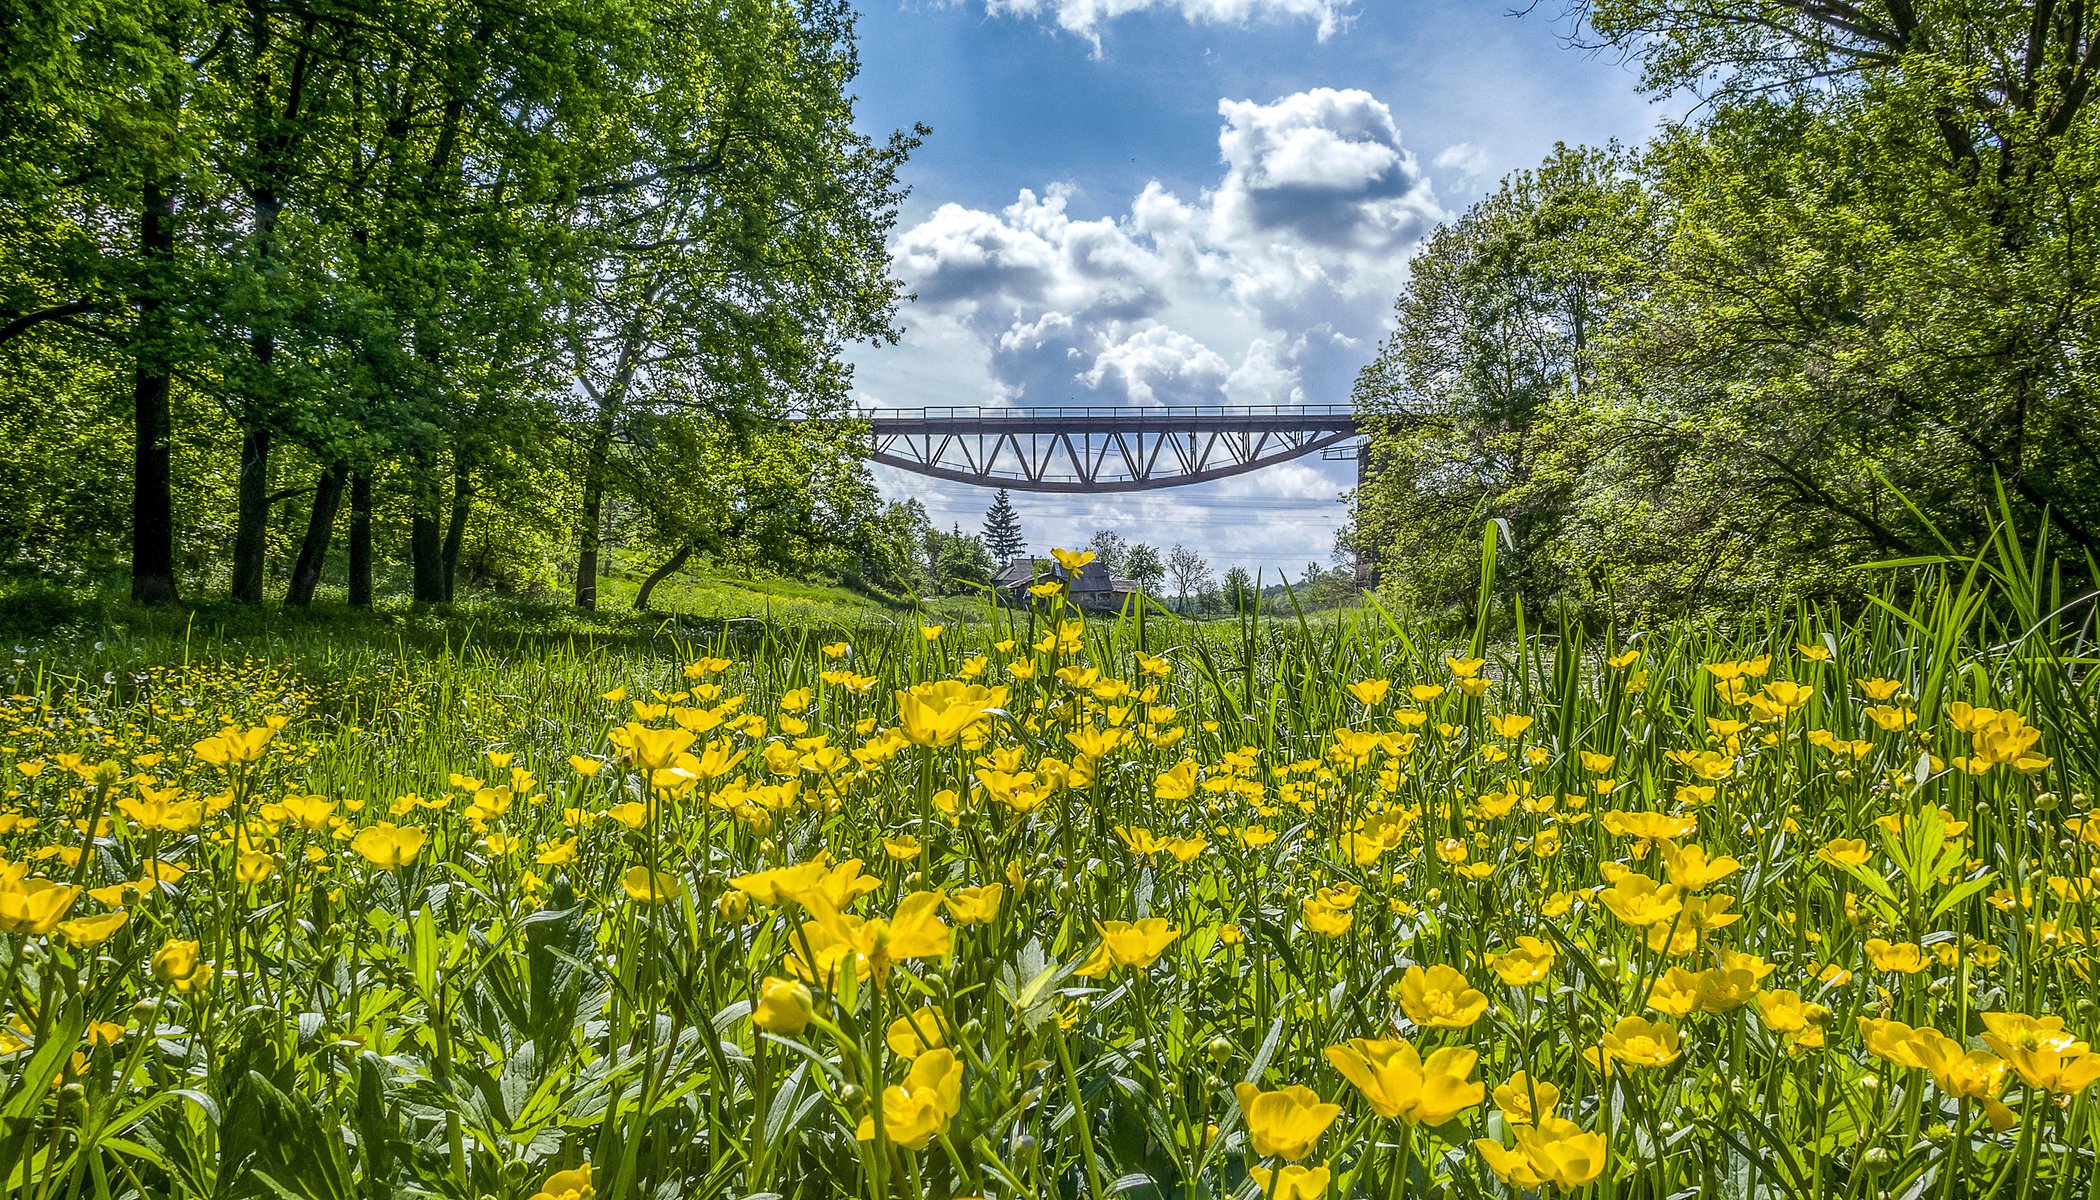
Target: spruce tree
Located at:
point(1002, 530)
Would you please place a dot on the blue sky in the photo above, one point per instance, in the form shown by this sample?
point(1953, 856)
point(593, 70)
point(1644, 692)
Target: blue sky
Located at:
point(1192, 201)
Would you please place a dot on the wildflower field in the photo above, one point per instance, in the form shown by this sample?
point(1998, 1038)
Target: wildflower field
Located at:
point(1031, 907)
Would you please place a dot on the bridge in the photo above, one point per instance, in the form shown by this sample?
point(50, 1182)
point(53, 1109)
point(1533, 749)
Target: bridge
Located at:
point(1090, 450)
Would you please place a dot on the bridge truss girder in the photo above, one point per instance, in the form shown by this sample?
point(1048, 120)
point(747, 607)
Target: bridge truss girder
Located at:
point(1100, 450)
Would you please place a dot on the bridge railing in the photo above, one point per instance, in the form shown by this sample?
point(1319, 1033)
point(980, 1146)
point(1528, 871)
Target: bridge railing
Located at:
point(1123, 412)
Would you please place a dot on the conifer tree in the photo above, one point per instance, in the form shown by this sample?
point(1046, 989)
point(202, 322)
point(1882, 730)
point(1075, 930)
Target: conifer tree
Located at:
point(1002, 529)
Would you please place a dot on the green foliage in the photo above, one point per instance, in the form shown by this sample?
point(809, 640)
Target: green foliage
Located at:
point(1727, 367)
point(387, 239)
point(1002, 529)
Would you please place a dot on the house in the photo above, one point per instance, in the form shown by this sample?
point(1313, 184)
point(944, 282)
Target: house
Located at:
point(1093, 589)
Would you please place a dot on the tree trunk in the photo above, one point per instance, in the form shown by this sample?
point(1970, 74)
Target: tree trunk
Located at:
point(641, 598)
point(251, 522)
point(152, 487)
point(456, 528)
point(361, 540)
point(320, 528)
point(426, 558)
point(593, 509)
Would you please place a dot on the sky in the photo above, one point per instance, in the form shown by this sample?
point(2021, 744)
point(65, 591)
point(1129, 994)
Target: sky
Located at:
point(1159, 202)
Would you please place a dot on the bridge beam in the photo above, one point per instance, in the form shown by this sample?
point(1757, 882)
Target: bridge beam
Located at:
point(1087, 450)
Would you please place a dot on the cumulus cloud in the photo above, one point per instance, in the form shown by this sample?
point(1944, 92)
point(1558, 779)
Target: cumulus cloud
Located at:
point(1086, 18)
point(1267, 287)
point(1272, 285)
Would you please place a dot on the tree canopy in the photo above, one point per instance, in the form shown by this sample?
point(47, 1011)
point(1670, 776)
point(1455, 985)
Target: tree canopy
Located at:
point(1818, 323)
point(413, 259)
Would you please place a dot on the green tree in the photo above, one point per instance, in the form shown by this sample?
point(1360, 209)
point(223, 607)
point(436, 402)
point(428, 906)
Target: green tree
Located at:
point(742, 240)
point(1002, 529)
point(1109, 550)
point(1145, 567)
point(1499, 320)
point(1882, 251)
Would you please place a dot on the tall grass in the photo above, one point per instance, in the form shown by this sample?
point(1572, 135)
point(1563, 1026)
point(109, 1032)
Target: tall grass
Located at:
point(581, 959)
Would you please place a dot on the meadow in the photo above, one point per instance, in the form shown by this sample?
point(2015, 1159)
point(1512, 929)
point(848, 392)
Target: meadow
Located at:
point(1797, 906)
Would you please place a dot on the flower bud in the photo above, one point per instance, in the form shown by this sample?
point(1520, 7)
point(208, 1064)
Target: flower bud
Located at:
point(784, 1006)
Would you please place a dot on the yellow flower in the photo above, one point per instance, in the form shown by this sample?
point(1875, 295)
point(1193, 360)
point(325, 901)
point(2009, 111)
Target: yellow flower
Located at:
point(1370, 692)
point(1640, 901)
point(1129, 944)
point(938, 714)
point(309, 812)
point(161, 813)
point(176, 964)
point(1285, 1122)
point(1326, 919)
point(1647, 826)
point(1524, 963)
point(976, 905)
point(568, 1185)
point(784, 1005)
point(254, 867)
point(1561, 1153)
point(903, 847)
point(645, 886)
point(389, 845)
point(1692, 870)
point(874, 943)
point(1851, 852)
point(916, 1032)
point(1964, 1074)
point(92, 931)
point(1638, 1042)
point(1074, 561)
point(34, 905)
point(2042, 1051)
point(1891, 718)
point(1512, 1167)
point(1524, 1100)
point(1439, 997)
point(1901, 958)
point(920, 1107)
point(1509, 725)
point(1785, 1013)
point(233, 746)
point(1291, 1182)
point(1891, 1041)
point(1398, 1082)
point(653, 749)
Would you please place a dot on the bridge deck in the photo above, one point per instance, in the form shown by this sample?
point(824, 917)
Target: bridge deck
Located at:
point(1099, 449)
point(1279, 418)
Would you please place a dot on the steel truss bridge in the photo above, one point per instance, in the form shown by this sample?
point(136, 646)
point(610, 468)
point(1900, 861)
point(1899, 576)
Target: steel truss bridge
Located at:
point(1088, 450)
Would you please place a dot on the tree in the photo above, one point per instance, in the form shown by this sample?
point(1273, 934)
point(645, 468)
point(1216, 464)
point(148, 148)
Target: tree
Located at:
point(1498, 322)
point(1867, 174)
point(1109, 550)
point(743, 235)
point(1240, 594)
point(1191, 574)
point(1145, 567)
point(958, 562)
point(1002, 529)
point(785, 500)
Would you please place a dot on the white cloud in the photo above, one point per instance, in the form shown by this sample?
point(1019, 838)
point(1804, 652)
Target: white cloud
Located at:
point(1464, 159)
point(1086, 18)
point(1267, 287)
point(1270, 286)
